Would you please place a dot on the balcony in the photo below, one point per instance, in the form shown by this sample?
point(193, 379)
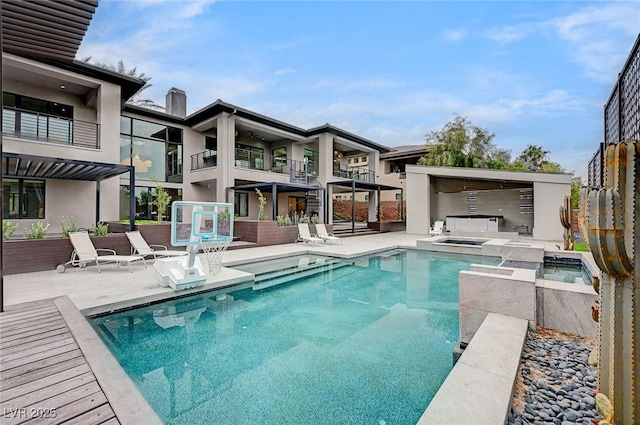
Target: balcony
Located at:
point(206, 159)
point(354, 173)
point(49, 128)
point(275, 164)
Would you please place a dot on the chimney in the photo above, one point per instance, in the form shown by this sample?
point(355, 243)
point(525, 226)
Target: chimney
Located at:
point(176, 102)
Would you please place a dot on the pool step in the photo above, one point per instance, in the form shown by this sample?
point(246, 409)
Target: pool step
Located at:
point(268, 279)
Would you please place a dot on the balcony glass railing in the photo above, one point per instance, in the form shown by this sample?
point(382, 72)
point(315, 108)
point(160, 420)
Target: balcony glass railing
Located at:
point(354, 173)
point(49, 128)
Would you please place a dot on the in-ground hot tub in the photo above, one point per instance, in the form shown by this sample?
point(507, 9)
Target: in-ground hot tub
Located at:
point(466, 242)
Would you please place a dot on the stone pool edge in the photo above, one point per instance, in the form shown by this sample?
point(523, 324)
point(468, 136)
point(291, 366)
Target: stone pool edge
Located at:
point(479, 388)
point(125, 399)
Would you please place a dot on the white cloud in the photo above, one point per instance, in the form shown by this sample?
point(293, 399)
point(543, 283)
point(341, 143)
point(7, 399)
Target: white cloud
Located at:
point(285, 71)
point(455, 35)
point(195, 8)
point(292, 44)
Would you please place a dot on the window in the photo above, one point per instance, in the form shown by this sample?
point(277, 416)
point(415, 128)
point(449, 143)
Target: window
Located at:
point(355, 160)
point(364, 159)
point(312, 160)
point(398, 197)
point(241, 204)
point(279, 157)
point(37, 119)
point(155, 150)
point(297, 204)
point(250, 157)
point(145, 210)
point(23, 198)
point(366, 197)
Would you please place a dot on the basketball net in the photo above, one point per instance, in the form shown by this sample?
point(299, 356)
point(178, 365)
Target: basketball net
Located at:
point(213, 250)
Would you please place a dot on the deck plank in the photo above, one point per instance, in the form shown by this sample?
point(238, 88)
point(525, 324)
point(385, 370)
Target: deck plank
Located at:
point(43, 370)
point(28, 320)
point(36, 357)
point(42, 395)
point(7, 394)
point(99, 415)
point(41, 373)
point(32, 338)
point(33, 345)
point(55, 403)
point(40, 331)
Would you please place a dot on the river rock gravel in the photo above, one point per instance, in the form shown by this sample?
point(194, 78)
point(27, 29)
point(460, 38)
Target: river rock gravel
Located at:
point(555, 384)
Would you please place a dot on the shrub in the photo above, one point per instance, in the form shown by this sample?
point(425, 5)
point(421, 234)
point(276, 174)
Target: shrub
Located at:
point(161, 199)
point(224, 215)
point(8, 228)
point(73, 226)
point(261, 203)
point(37, 230)
point(101, 229)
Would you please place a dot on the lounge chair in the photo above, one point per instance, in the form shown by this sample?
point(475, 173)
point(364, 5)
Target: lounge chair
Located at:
point(140, 247)
point(322, 233)
point(85, 252)
point(437, 228)
point(304, 234)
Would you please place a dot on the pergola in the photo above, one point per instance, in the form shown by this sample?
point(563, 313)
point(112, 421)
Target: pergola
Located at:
point(367, 187)
point(274, 188)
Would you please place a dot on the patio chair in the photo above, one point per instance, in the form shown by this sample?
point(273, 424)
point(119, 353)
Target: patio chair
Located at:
point(85, 252)
point(140, 247)
point(322, 233)
point(304, 234)
point(437, 228)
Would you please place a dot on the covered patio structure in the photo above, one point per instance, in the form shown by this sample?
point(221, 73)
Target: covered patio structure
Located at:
point(353, 186)
point(16, 165)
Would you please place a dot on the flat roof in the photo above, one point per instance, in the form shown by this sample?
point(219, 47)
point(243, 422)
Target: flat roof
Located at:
point(490, 174)
point(357, 184)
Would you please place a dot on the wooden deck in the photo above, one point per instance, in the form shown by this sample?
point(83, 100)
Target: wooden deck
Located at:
point(44, 376)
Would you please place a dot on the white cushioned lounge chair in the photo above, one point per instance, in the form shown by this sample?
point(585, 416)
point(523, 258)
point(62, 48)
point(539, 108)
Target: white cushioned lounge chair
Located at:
point(304, 234)
point(322, 233)
point(84, 252)
point(437, 228)
point(140, 247)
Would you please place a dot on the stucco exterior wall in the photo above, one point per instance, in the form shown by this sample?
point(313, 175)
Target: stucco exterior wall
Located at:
point(547, 200)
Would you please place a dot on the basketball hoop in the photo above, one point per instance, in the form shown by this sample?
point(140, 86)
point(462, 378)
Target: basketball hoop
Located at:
point(213, 249)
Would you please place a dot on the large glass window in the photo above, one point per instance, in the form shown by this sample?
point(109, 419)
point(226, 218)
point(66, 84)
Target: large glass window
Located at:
point(312, 160)
point(38, 119)
point(250, 157)
point(154, 150)
point(23, 198)
point(279, 157)
point(145, 210)
point(241, 204)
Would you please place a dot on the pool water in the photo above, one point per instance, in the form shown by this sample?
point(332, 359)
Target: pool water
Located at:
point(364, 341)
point(567, 273)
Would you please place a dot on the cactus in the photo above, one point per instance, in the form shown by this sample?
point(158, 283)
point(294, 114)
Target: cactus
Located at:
point(566, 214)
point(612, 222)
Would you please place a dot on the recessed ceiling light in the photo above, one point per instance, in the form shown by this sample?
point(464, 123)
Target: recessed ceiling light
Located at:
point(62, 86)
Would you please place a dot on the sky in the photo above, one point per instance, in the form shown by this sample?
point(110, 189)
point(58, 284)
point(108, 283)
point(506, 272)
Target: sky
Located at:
point(536, 72)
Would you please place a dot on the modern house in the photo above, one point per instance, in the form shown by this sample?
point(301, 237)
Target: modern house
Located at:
point(73, 146)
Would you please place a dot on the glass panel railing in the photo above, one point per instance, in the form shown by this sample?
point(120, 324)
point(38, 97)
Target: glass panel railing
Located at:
point(354, 173)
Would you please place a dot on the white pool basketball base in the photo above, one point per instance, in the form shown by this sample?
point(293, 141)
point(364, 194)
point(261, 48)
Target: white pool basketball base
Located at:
point(196, 225)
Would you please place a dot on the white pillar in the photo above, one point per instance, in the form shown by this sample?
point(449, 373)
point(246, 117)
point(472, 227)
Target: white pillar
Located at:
point(226, 134)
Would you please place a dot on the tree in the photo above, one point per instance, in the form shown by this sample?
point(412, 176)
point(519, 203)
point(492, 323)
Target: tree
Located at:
point(576, 185)
point(120, 68)
point(533, 157)
point(462, 144)
point(161, 199)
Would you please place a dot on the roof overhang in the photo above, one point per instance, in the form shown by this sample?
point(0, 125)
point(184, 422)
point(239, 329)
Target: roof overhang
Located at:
point(280, 187)
point(363, 186)
point(51, 29)
point(40, 167)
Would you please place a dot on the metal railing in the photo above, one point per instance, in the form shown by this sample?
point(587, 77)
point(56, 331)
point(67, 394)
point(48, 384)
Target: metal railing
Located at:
point(49, 128)
point(354, 173)
point(206, 159)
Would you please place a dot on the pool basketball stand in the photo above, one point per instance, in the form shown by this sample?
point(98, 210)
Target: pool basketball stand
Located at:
point(196, 225)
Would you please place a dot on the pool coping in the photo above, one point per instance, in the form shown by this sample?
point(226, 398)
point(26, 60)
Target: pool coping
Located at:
point(127, 402)
point(479, 388)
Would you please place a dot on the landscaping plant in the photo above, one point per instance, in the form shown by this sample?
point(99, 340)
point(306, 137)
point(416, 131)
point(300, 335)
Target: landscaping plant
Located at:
point(73, 226)
point(8, 228)
point(37, 230)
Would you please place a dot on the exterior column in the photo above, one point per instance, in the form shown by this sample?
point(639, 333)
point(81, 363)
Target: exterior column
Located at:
point(353, 206)
point(274, 201)
point(325, 172)
point(226, 134)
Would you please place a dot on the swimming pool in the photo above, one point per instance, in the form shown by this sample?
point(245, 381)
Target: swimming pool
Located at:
point(365, 341)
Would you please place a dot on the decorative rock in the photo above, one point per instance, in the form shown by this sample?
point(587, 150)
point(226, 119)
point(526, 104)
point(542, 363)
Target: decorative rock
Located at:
point(557, 381)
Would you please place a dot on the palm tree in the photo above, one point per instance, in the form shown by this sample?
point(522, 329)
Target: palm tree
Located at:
point(533, 156)
point(120, 68)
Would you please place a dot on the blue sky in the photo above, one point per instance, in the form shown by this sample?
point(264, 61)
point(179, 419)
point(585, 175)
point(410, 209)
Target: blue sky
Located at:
point(531, 72)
